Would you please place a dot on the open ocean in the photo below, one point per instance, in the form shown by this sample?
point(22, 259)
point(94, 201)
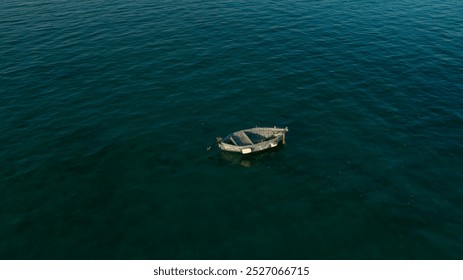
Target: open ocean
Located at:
point(107, 108)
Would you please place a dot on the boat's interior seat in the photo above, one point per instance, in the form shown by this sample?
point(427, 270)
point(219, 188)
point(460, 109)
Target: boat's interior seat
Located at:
point(241, 139)
point(233, 141)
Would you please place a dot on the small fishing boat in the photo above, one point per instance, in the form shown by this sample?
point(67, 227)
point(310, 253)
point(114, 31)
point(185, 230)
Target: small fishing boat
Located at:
point(252, 140)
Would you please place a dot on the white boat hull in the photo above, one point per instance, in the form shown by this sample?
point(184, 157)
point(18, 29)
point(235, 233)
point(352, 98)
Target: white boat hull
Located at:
point(253, 140)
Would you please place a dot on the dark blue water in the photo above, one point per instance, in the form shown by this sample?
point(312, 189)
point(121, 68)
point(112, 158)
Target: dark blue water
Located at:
point(107, 107)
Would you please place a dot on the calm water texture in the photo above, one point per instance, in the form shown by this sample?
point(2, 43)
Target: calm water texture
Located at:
point(107, 107)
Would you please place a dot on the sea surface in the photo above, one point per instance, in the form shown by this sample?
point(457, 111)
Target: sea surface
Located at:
point(107, 109)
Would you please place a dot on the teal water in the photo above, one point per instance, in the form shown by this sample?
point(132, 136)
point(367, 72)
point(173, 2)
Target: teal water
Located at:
point(107, 108)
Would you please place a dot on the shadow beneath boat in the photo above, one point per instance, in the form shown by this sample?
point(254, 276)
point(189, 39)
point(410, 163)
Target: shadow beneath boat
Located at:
point(250, 160)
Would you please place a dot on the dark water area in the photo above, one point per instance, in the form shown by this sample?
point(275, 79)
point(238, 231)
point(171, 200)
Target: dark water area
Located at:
point(107, 108)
